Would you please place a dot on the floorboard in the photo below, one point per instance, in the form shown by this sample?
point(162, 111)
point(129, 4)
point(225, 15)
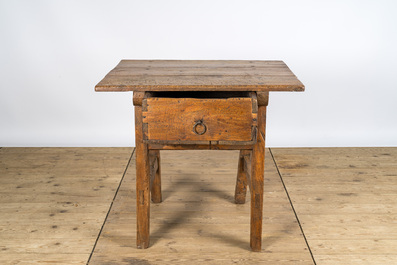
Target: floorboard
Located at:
point(53, 201)
point(198, 221)
point(345, 200)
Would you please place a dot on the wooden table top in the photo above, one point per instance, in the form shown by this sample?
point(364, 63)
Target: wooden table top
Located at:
point(187, 75)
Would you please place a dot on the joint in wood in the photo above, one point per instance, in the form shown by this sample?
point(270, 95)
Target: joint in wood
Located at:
point(144, 105)
point(254, 102)
point(254, 134)
point(263, 98)
point(145, 131)
point(262, 136)
point(138, 98)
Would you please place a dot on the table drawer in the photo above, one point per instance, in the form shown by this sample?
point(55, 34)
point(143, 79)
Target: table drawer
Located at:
point(193, 117)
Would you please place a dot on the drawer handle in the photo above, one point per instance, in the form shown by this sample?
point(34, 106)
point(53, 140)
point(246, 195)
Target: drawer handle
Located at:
point(199, 128)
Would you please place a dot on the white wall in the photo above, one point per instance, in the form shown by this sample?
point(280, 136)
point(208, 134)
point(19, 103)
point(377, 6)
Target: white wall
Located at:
point(52, 53)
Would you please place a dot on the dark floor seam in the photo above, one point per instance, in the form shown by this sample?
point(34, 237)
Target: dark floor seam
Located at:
point(111, 205)
point(292, 206)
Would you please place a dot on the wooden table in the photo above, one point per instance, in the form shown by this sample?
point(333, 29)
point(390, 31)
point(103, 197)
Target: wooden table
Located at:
point(183, 105)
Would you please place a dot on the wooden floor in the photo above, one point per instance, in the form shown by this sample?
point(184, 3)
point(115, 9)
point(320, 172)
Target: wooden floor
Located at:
point(346, 201)
point(53, 201)
point(77, 206)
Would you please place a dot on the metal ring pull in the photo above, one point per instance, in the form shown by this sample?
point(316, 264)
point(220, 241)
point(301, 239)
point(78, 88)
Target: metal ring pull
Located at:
point(199, 128)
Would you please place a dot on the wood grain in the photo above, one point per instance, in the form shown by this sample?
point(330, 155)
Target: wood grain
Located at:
point(155, 176)
point(54, 201)
point(256, 184)
point(198, 221)
point(345, 199)
point(242, 178)
point(228, 119)
point(211, 145)
point(177, 75)
point(142, 183)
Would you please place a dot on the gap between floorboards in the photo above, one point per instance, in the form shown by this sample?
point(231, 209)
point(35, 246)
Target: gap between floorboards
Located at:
point(292, 206)
point(110, 207)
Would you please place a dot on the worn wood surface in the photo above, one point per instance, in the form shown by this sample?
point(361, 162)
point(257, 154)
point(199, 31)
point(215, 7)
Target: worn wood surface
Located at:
point(179, 75)
point(345, 199)
point(138, 98)
point(142, 183)
point(243, 173)
point(198, 221)
point(54, 201)
point(211, 145)
point(174, 119)
point(155, 176)
point(256, 183)
point(192, 118)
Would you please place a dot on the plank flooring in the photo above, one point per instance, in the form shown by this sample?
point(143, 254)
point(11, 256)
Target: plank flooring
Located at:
point(77, 206)
point(53, 201)
point(346, 201)
point(198, 221)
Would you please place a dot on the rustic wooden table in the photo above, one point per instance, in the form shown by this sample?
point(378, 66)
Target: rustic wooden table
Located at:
point(183, 105)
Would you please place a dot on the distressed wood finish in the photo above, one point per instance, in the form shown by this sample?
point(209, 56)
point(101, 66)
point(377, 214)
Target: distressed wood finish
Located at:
point(208, 146)
point(176, 75)
point(198, 222)
point(228, 119)
point(142, 183)
point(346, 201)
point(54, 201)
point(256, 187)
point(243, 177)
point(182, 105)
point(155, 176)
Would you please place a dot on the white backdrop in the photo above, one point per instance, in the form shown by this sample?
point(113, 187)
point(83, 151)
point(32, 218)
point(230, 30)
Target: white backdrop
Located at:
point(52, 53)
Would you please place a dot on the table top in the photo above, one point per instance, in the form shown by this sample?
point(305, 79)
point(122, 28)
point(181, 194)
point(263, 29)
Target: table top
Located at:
point(201, 75)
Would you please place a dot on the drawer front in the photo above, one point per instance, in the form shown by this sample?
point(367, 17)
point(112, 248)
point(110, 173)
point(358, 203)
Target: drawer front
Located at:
point(193, 119)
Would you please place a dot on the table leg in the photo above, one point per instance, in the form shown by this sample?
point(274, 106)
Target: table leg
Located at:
point(155, 176)
point(242, 178)
point(256, 187)
point(142, 183)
